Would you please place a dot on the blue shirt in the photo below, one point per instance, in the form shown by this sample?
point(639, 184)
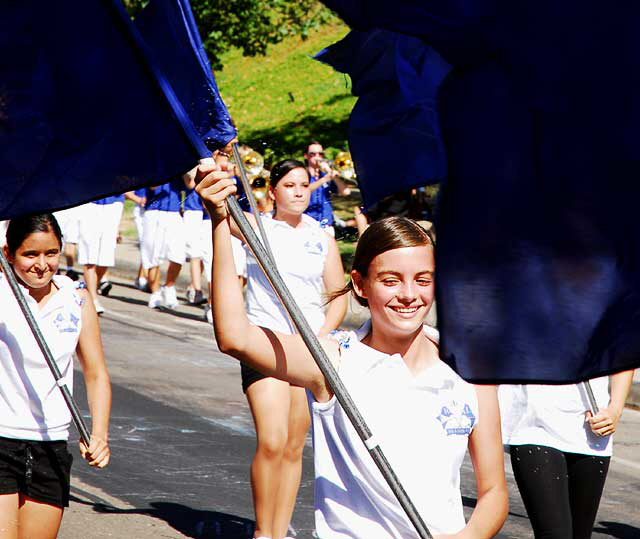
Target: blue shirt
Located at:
point(109, 200)
point(320, 207)
point(166, 197)
point(192, 200)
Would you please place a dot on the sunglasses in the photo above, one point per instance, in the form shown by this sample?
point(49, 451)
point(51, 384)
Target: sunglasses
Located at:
point(313, 154)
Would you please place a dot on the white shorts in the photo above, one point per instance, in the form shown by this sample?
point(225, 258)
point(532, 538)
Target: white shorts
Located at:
point(99, 234)
point(162, 239)
point(239, 254)
point(138, 214)
point(193, 233)
point(69, 221)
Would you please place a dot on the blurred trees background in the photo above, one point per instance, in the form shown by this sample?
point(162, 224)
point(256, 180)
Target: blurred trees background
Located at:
point(250, 25)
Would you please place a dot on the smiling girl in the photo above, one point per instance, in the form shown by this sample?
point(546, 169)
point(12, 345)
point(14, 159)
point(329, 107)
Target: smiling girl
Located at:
point(34, 419)
point(423, 414)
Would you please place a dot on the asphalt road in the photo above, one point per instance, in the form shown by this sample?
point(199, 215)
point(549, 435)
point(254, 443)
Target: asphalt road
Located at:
point(182, 439)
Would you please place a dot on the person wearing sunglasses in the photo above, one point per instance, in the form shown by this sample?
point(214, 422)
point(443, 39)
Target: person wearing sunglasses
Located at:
point(324, 182)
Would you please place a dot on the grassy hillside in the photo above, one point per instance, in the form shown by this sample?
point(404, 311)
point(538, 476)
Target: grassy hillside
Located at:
point(283, 100)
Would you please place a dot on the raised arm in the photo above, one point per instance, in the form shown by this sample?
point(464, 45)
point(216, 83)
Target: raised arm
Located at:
point(281, 356)
point(485, 448)
point(131, 195)
point(333, 277)
point(96, 378)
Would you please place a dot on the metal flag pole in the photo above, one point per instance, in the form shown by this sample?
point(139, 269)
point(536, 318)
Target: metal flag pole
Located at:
point(590, 397)
point(44, 348)
point(252, 201)
point(326, 367)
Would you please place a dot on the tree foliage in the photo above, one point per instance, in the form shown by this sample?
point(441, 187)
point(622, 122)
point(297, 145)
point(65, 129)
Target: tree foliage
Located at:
point(250, 25)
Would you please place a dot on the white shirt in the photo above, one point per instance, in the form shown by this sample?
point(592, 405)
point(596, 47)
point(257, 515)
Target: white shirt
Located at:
point(31, 404)
point(553, 416)
point(422, 424)
point(300, 254)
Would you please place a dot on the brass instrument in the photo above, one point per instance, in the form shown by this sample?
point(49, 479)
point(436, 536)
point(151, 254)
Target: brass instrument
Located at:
point(344, 165)
point(260, 185)
point(253, 163)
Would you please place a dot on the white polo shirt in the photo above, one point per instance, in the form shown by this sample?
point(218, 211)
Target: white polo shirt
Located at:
point(422, 423)
point(31, 404)
point(553, 416)
point(300, 254)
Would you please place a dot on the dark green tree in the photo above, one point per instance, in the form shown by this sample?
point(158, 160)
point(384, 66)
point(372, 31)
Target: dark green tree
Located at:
point(250, 25)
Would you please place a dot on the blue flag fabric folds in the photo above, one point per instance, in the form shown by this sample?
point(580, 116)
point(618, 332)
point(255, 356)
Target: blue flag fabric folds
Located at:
point(85, 110)
point(169, 29)
point(394, 132)
point(538, 258)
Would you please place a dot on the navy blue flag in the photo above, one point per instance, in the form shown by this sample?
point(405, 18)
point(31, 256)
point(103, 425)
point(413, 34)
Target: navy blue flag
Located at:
point(169, 29)
point(538, 257)
point(396, 78)
point(85, 109)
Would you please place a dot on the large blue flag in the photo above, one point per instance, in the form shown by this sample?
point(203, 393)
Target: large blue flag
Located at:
point(396, 78)
point(538, 257)
point(86, 109)
point(169, 29)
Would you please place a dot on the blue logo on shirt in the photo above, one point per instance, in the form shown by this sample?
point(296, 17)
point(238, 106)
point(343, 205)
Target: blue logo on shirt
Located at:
point(457, 419)
point(313, 248)
point(66, 326)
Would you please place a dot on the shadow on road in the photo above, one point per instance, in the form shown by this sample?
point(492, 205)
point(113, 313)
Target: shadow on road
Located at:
point(189, 522)
point(198, 317)
point(617, 530)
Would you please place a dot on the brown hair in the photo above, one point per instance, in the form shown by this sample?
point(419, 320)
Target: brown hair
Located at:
point(21, 227)
point(382, 236)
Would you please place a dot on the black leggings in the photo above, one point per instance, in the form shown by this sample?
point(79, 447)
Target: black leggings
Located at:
point(561, 491)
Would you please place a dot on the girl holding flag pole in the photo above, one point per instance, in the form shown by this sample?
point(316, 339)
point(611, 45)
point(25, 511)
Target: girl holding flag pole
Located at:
point(34, 418)
point(423, 415)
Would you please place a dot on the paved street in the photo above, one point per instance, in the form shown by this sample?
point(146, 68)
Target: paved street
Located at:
point(182, 439)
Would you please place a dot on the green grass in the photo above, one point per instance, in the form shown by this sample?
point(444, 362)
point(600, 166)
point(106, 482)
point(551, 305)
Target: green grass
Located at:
point(285, 99)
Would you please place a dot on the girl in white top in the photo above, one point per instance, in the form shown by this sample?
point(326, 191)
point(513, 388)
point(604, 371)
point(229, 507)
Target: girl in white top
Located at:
point(560, 452)
point(422, 413)
point(309, 262)
point(34, 419)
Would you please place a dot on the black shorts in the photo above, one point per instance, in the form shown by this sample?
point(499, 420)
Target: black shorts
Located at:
point(249, 376)
point(39, 470)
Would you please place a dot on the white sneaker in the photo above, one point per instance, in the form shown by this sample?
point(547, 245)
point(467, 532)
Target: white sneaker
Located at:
point(98, 306)
point(208, 315)
point(191, 295)
point(155, 300)
point(140, 283)
point(169, 297)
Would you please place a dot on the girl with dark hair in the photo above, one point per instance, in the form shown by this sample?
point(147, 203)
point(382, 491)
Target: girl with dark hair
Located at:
point(309, 261)
point(424, 416)
point(34, 419)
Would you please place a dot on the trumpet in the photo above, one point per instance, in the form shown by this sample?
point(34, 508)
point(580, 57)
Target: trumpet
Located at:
point(253, 163)
point(344, 165)
point(260, 186)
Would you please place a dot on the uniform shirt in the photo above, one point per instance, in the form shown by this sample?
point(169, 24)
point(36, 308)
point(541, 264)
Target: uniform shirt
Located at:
point(31, 404)
point(109, 200)
point(192, 201)
point(320, 207)
point(300, 254)
point(553, 416)
point(165, 197)
point(422, 424)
